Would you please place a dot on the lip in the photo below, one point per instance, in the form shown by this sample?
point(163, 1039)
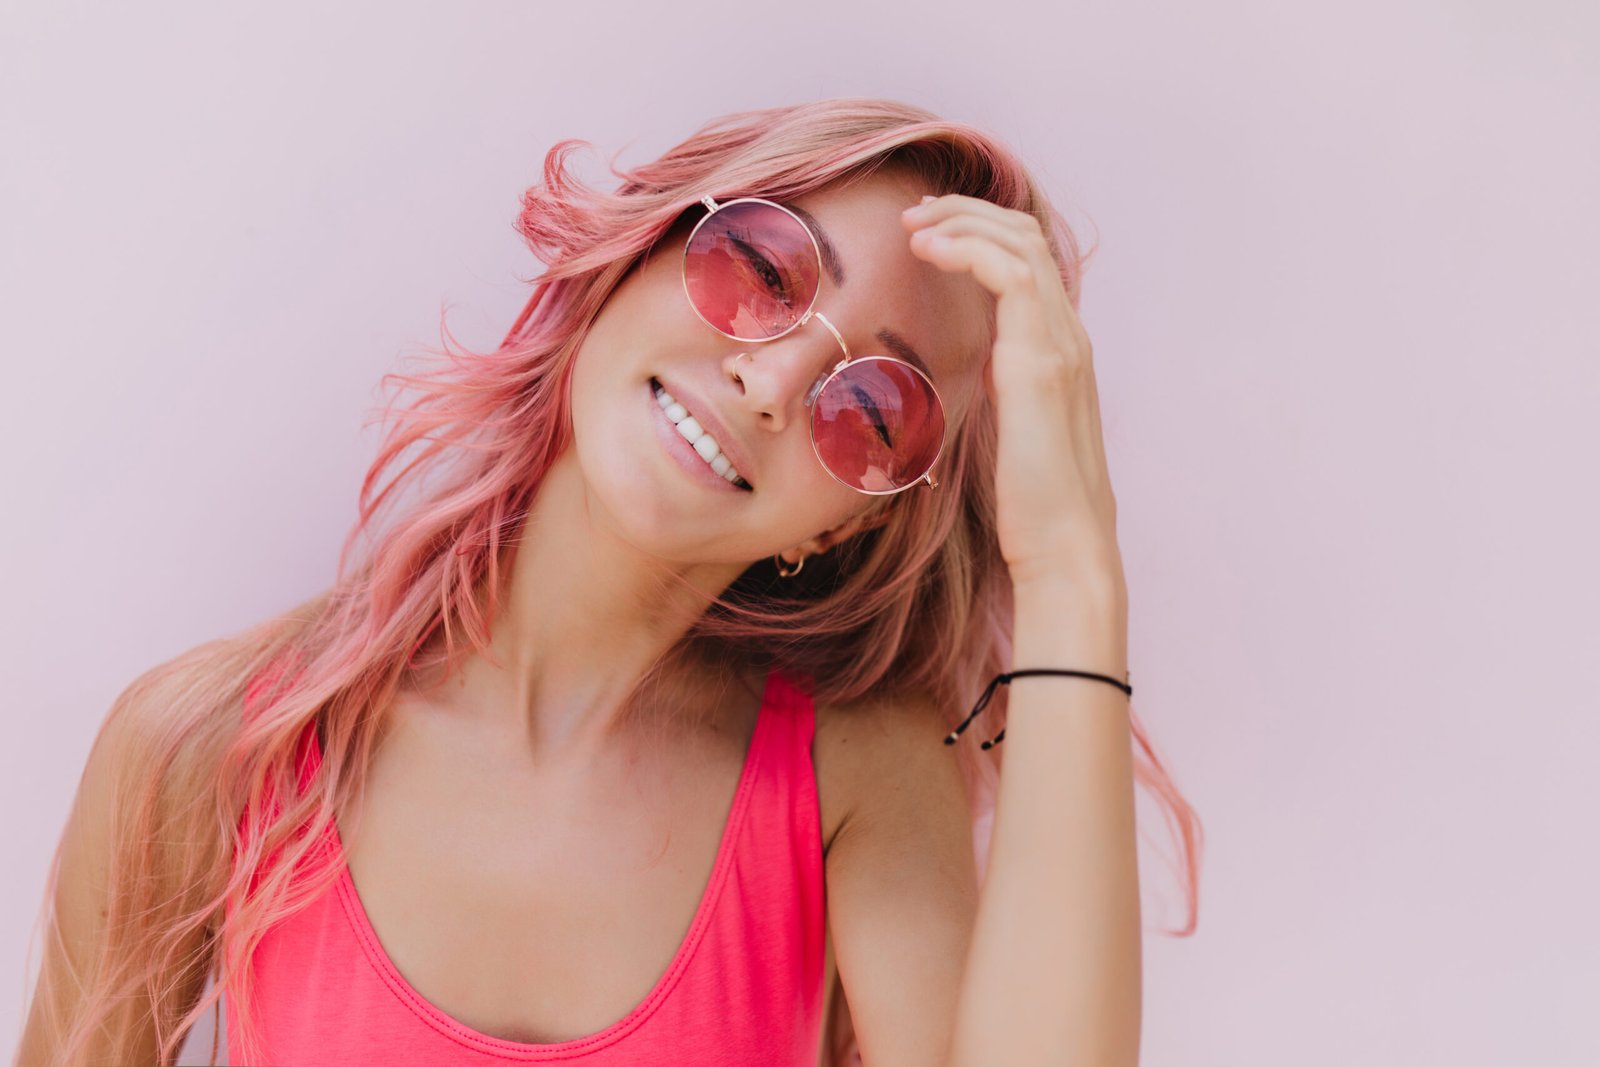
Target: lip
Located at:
point(681, 451)
point(707, 417)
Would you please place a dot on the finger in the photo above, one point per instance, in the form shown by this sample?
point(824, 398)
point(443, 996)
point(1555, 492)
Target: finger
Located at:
point(1020, 316)
point(1023, 235)
point(1028, 246)
point(942, 207)
point(1027, 243)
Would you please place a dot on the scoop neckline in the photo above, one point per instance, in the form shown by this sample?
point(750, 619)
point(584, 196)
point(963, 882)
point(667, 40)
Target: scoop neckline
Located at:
point(460, 1032)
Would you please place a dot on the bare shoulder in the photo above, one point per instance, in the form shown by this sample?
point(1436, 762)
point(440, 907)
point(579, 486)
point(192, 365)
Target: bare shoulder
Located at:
point(900, 870)
point(879, 751)
point(139, 718)
point(158, 737)
point(94, 858)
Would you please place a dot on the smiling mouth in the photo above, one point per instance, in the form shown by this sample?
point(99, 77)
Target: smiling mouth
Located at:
point(703, 443)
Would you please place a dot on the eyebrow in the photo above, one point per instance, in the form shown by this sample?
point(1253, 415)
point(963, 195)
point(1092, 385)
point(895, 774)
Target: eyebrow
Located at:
point(830, 261)
point(830, 255)
point(902, 348)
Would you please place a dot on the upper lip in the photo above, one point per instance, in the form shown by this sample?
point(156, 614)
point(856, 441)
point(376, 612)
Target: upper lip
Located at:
point(702, 411)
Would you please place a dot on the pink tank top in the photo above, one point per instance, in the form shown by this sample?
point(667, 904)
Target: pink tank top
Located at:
point(745, 986)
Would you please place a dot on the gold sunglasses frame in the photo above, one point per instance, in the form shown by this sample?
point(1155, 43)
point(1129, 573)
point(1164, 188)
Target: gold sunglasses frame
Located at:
point(826, 376)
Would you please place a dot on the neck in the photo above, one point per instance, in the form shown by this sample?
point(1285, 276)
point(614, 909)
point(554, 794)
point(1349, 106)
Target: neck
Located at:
point(583, 616)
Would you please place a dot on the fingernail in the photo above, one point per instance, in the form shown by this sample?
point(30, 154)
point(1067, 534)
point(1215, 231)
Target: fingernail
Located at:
point(929, 197)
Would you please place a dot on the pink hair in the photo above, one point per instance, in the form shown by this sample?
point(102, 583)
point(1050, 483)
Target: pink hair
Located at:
point(919, 605)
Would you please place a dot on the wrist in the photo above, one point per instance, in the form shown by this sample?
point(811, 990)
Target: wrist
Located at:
point(1071, 625)
point(1085, 578)
point(1090, 593)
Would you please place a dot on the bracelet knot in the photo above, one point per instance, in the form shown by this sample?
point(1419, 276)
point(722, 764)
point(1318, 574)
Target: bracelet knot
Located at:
point(1004, 678)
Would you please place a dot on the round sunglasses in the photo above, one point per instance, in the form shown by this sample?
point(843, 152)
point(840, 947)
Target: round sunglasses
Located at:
point(752, 270)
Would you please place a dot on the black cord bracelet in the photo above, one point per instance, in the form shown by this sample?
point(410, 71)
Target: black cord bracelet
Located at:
point(1005, 679)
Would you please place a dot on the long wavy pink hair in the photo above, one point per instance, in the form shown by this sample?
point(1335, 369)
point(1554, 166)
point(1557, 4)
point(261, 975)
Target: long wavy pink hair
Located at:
point(216, 822)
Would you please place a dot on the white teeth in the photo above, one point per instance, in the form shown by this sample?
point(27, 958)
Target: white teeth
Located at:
point(696, 435)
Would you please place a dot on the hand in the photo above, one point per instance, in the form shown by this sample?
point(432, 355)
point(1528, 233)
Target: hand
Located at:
point(1057, 517)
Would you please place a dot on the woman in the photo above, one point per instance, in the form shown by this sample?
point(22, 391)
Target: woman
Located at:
point(631, 736)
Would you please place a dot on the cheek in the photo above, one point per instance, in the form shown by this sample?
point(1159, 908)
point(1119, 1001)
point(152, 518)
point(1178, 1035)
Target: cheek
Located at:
point(818, 503)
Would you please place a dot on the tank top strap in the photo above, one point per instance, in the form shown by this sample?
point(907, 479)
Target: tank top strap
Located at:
point(765, 960)
point(785, 740)
point(789, 694)
point(782, 835)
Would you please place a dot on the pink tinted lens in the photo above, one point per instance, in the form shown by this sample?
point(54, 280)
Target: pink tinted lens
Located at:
point(751, 270)
point(877, 424)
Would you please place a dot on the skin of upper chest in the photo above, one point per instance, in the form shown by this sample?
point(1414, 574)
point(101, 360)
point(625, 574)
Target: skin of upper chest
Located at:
point(542, 911)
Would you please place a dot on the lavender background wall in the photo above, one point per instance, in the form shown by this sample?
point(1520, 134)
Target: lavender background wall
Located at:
point(1345, 321)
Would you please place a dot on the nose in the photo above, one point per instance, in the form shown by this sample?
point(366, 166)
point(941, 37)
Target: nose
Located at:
point(775, 377)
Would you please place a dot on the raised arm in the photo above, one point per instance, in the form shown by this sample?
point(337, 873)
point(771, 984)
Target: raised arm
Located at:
point(1054, 973)
point(1042, 967)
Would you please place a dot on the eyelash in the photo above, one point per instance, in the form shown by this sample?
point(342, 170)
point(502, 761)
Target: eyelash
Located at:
point(770, 276)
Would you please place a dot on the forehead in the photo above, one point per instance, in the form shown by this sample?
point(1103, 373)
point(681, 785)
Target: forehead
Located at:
point(942, 314)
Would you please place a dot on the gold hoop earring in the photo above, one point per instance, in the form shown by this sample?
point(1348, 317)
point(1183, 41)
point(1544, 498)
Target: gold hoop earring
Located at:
point(782, 564)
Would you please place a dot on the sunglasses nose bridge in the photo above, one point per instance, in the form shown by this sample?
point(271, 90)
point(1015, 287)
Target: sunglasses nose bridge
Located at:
point(837, 336)
point(827, 371)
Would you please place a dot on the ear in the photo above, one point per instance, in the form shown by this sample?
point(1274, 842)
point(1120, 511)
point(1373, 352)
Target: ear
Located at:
point(867, 520)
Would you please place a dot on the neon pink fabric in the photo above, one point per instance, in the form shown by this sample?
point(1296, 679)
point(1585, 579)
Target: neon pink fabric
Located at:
point(745, 986)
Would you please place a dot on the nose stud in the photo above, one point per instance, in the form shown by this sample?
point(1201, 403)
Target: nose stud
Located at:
point(734, 370)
